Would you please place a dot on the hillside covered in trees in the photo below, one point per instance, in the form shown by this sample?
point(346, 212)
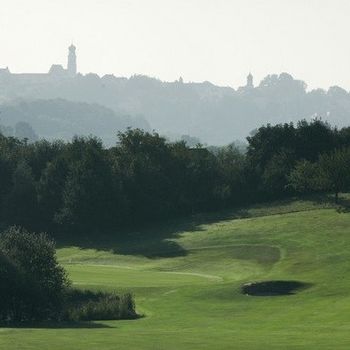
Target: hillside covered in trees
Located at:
point(216, 115)
point(60, 119)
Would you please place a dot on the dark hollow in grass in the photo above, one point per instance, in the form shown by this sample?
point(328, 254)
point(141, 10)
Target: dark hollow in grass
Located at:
point(273, 288)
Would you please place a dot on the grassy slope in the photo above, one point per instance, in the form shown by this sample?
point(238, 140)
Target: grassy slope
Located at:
point(186, 279)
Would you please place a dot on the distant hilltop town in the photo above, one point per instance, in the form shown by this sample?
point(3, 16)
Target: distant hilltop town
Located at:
point(213, 114)
point(56, 70)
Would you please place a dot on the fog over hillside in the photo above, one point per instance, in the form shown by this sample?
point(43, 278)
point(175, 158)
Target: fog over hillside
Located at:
point(216, 115)
point(61, 119)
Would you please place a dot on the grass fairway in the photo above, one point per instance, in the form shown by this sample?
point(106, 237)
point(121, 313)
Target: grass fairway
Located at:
point(186, 277)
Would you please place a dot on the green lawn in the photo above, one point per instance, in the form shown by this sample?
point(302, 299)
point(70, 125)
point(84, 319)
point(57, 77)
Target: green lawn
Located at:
point(186, 277)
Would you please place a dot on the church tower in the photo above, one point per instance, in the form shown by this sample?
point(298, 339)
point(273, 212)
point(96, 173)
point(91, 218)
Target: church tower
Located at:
point(72, 61)
point(250, 81)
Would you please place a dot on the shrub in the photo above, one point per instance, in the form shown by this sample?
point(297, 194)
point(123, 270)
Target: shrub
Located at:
point(89, 306)
point(9, 287)
point(33, 285)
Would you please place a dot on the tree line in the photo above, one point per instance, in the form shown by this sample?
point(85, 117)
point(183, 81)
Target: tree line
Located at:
point(80, 186)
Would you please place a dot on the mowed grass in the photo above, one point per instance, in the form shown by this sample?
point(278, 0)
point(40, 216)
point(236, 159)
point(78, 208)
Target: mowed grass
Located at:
point(186, 278)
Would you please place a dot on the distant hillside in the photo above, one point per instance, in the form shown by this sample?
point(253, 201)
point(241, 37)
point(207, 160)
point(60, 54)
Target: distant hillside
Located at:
point(215, 115)
point(62, 119)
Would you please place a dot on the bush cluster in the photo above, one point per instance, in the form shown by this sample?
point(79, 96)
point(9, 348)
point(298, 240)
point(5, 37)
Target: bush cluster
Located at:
point(34, 287)
point(88, 306)
point(32, 284)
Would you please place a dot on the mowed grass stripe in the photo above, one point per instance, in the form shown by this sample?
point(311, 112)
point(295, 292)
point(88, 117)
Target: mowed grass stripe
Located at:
point(121, 278)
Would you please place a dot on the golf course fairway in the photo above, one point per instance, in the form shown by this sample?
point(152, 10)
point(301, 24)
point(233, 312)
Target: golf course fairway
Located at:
point(187, 276)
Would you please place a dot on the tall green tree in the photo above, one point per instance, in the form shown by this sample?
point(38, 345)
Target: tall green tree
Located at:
point(87, 196)
point(304, 178)
point(21, 201)
point(36, 282)
point(335, 171)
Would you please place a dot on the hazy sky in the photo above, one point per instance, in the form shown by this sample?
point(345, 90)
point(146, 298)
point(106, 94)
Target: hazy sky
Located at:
point(215, 40)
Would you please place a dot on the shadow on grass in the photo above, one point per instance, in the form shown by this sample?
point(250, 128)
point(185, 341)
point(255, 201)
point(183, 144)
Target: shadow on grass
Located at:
point(273, 288)
point(152, 241)
point(159, 240)
point(56, 325)
point(343, 204)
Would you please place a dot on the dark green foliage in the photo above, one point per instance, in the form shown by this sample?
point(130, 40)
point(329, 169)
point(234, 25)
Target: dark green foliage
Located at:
point(232, 166)
point(330, 173)
point(335, 171)
point(145, 165)
point(276, 171)
point(32, 283)
point(33, 287)
point(9, 288)
point(21, 208)
point(274, 151)
point(87, 192)
point(80, 187)
point(89, 306)
point(304, 177)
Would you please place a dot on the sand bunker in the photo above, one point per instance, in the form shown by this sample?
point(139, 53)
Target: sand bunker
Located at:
point(273, 288)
